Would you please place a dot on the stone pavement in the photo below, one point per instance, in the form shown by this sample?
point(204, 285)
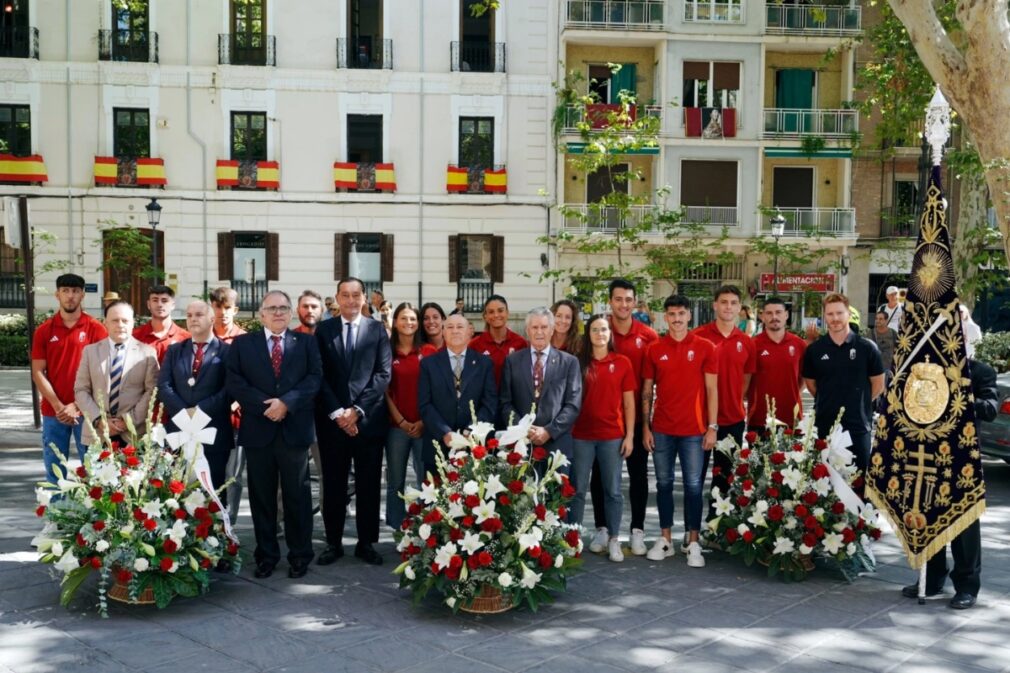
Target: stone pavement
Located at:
point(635, 616)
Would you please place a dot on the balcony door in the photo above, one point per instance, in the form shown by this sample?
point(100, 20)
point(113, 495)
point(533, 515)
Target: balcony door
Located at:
point(476, 39)
point(364, 32)
point(794, 90)
point(601, 183)
point(249, 32)
point(130, 30)
point(14, 31)
point(793, 187)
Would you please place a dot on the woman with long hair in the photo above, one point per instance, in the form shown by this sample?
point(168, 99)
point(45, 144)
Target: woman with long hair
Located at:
point(746, 322)
point(385, 311)
point(604, 431)
point(432, 317)
point(567, 326)
point(406, 431)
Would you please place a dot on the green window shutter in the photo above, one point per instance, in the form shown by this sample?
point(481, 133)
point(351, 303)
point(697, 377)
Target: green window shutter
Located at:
point(624, 79)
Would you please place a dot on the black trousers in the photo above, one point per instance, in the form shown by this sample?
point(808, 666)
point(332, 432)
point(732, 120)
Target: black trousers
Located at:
point(722, 461)
point(966, 549)
point(337, 451)
point(289, 466)
point(638, 485)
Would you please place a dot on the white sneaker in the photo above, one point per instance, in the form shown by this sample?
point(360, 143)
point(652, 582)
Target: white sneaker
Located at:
point(599, 542)
point(661, 550)
point(638, 542)
point(694, 557)
point(684, 544)
point(615, 551)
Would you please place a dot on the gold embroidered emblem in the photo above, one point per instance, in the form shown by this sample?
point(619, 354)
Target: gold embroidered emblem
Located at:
point(926, 393)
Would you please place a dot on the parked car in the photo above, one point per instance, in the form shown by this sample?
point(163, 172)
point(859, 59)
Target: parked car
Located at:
point(995, 436)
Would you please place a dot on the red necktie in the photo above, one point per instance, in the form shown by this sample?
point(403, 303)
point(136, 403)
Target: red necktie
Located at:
point(538, 374)
point(198, 359)
point(276, 355)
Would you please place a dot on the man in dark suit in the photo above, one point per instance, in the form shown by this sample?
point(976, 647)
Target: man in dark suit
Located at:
point(274, 374)
point(352, 420)
point(547, 377)
point(450, 381)
point(193, 375)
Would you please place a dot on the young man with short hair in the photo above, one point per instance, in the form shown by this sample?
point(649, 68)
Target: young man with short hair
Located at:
point(56, 354)
point(885, 338)
point(224, 301)
point(310, 311)
point(160, 332)
point(497, 341)
point(778, 373)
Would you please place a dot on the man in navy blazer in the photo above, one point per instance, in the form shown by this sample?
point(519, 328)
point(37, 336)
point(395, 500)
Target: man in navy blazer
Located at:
point(444, 395)
point(275, 374)
point(193, 375)
point(352, 420)
point(554, 385)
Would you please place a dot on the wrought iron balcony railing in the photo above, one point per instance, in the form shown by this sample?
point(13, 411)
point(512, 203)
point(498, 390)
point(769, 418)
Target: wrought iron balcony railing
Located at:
point(477, 56)
point(815, 222)
point(19, 42)
point(246, 49)
point(379, 57)
point(12, 291)
point(139, 46)
point(474, 292)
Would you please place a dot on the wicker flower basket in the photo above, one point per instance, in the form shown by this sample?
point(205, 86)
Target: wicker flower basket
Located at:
point(805, 560)
point(489, 601)
point(121, 593)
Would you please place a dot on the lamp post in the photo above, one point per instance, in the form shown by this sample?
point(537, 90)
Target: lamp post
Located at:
point(153, 218)
point(778, 230)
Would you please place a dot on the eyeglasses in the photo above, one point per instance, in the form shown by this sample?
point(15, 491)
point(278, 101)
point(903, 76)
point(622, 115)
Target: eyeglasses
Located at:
point(276, 310)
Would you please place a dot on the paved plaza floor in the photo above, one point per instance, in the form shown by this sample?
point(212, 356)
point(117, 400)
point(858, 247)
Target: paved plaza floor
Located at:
point(635, 616)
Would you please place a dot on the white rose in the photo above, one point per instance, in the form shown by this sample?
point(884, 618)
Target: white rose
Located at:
point(559, 560)
point(175, 566)
point(212, 542)
point(408, 572)
point(172, 504)
point(127, 530)
point(424, 531)
point(450, 601)
point(471, 487)
point(43, 496)
point(88, 503)
point(141, 565)
point(818, 512)
point(761, 506)
point(505, 580)
point(101, 546)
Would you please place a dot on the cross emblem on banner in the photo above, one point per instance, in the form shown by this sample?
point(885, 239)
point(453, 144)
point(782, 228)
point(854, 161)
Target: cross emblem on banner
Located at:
point(914, 519)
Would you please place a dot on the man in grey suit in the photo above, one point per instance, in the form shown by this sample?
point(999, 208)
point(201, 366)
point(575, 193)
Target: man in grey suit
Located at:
point(116, 377)
point(547, 377)
point(450, 381)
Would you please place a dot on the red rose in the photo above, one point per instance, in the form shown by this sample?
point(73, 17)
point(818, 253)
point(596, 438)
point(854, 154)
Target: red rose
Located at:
point(117, 497)
point(810, 523)
point(103, 455)
point(485, 558)
point(772, 492)
point(504, 500)
point(434, 516)
point(157, 483)
point(778, 458)
point(748, 484)
point(452, 573)
point(166, 564)
point(124, 576)
point(129, 450)
point(80, 540)
point(838, 507)
point(797, 446)
point(820, 444)
point(801, 510)
point(40, 510)
point(730, 479)
point(202, 531)
point(567, 490)
point(170, 546)
point(455, 534)
point(541, 511)
point(819, 532)
point(98, 525)
point(860, 524)
point(513, 458)
point(81, 472)
point(777, 477)
point(809, 540)
point(453, 476)
point(471, 501)
point(96, 562)
point(413, 549)
point(176, 487)
point(491, 525)
point(150, 524)
point(731, 534)
point(472, 563)
point(454, 497)
point(435, 569)
point(181, 514)
point(232, 548)
point(516, 486)
point(716, 470)
point(534, 552)
point(467, 521)
point(848, 535)
point(479, 452)
point(776, 512)
point(546, 560)
point(820, 471)
point(201, 513)
point(539, 453)
point(456, 561)
point(431, 542)
point(562, 512)
point(788, 432)
point(205, 563)
point(95, 493)
point(745, 454)
point(875, 533)
point(810, 498)
point(742, 469)
point(492, 443)
point(414, 509)
point(751, 437)
point(572, 538)
point(742, 500)
point(748, 536)
point(406, 524)
point(858, 483)
point(132, 461)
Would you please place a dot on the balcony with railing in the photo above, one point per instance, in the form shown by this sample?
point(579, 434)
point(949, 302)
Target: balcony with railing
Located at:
point(19, 42)
point(589, 218)
point(801, 222)
point(250, 295)
point(714, 11)
point(795, 122)
point(380, 57)
point(138, 46)
point(477, 56)
point(615, 14)
point(599, 115)
point(129, 172)
point(476, 179)
point(716, 216)
point(475, 292)
point(246, 49)
point(813, 20)
point(364, 177)
point(899, 222)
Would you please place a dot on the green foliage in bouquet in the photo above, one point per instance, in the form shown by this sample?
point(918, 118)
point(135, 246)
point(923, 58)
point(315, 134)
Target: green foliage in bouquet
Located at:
point(489, 519)
point(791, 499)
point(134, 513)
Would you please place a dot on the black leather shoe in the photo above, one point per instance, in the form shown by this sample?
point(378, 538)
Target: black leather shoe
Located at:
point(264, 569)
point(366, 552)
point(962, 601)
point(330, 555)
point(298, 569)
point(912, 591)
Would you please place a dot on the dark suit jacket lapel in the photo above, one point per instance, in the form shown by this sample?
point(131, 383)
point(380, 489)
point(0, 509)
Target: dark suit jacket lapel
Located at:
point(469, 371)
point(291, 339)
point(443, 363)
point(262, 347)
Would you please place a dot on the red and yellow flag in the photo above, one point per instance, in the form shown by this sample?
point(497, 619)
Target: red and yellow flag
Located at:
point(106, 170)
point(151, 172)
point(345, 175)
point(22, 169)
point(385, 177)
point(456, 179)
point(227, 173)
point(495, 182)
point(268, 175)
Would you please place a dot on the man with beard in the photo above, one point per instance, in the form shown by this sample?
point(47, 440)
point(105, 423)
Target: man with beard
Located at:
point(56, 353)
point(310, 311)
point(161, 331)
point(779, 362)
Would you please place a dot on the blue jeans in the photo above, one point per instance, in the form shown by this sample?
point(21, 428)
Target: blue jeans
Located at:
point(399, 447)
point(664, 458)
point(608, 453)
point(54, 432)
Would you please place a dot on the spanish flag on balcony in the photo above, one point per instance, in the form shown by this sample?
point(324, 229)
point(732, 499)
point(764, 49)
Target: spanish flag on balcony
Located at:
point(106, 170)
point(265, 176)
point(495, 182)
point(130, 173)
point(345, 175)
point(268, 175)
point(385, 177)
point(456, 179)
point(22, 169)
point(227, 173)
point(151, 172)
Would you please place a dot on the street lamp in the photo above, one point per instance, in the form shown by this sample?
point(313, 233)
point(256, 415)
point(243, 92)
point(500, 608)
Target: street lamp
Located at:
point(778, 230)
point(153, 218)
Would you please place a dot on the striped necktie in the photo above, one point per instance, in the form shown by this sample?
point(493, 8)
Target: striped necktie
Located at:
point(116, 378)
point(538, 374)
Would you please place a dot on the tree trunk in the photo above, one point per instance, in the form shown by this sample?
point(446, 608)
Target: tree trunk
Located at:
point(971, 214)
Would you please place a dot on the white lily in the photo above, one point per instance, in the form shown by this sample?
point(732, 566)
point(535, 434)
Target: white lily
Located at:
point(559, 460)
point(530, 579)
point(471, 543)
point(194, 500)
point(493, 486)
point(404, 542)
point(410, 494)
point(792, 478)
point(532, 538)
point(43, 496)
point(108, 473)
point(444, 554)
point(428, 493)
point(832, 543)
point(157, 435)
point(790, 523)
point(480, 430)
point(484, 511)
point(152, 508)
point(518, 432)
point(455, 510)
point(784, 545)
point(723, 506)
point(178, 531)
point(757, 520)
point(56, 550)
point(822, 486)
point(67, 562)
point(458, 441)
point(134, 479)
point(408, 572)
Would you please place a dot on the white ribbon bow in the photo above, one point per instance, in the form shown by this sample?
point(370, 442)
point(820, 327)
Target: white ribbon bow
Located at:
point(838, 443)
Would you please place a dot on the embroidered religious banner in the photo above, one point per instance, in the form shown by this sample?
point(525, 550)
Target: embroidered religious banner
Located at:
point(925, 471)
